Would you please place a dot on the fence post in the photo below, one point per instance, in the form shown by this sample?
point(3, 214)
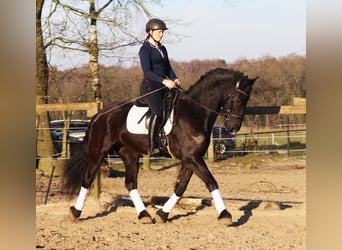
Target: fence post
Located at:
point(146, 162)
point(97, 178)
point(288, 135)
point(210, 150)
point(97, 184)
point(49, 185)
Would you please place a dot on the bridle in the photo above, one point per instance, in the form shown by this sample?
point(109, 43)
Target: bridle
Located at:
point(228, 113)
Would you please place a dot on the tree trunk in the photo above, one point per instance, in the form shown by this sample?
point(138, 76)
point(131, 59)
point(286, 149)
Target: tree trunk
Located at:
point(94, 54)
point(45, 147)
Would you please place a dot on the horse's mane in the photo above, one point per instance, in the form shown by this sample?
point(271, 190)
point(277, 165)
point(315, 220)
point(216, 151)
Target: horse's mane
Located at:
point(214, 74)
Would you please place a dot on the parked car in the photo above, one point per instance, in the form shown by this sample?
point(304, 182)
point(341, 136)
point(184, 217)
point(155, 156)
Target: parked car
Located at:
point(76, 132)
point(223, 140)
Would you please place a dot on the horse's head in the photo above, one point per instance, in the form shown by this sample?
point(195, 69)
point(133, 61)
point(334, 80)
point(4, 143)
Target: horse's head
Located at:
point(235, 105)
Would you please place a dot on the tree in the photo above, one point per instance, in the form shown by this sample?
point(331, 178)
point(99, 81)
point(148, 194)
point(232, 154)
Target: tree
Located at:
point(94, 52)
point(45, 146)
point(101, 29)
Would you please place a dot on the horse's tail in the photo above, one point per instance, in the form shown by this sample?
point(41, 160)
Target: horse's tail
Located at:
point(74, 170)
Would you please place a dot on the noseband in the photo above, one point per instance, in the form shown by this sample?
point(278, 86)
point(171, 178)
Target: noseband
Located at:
point(237, 92)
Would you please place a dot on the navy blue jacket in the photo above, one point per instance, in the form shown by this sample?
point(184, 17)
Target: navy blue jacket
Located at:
point(155, 66)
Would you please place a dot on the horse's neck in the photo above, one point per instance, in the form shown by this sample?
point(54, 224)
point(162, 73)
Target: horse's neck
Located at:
point(208, 97)
point(206, 101)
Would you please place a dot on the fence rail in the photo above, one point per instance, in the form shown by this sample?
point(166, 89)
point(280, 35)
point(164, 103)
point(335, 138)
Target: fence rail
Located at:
point(273, 141)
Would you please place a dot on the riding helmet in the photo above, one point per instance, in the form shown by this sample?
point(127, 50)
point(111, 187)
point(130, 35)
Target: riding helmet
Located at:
point(155, 24)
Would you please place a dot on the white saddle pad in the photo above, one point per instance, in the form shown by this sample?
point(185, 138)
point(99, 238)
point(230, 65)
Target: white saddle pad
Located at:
point(135, 114)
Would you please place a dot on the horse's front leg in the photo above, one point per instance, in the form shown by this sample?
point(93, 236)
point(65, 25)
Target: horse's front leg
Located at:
point(131, 161)
point(199, 167)
point(183, 179)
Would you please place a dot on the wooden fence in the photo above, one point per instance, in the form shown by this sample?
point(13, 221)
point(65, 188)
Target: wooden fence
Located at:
point(92, 108)
point(298, 107)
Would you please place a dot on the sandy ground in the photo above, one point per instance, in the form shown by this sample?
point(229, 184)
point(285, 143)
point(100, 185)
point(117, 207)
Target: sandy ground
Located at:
point(265, 194)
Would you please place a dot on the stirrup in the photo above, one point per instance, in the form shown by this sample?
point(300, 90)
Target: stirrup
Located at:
point(154, 153)
point(163, 145)
point(164, 152)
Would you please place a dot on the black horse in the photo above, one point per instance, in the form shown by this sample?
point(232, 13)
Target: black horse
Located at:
point(218, 92)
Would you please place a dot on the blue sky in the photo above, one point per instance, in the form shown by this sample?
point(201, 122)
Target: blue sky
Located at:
point(219, 29)
point(235, 29)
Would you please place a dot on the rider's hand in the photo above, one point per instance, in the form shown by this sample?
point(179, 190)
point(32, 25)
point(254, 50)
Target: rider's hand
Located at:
point(169, 83)
point(177, 82)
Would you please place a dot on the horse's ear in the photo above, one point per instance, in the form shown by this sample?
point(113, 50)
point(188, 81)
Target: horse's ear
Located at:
point(251, 81)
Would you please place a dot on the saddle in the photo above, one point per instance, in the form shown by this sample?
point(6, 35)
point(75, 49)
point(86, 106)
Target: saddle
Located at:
point(139, 115)
point(169, 102)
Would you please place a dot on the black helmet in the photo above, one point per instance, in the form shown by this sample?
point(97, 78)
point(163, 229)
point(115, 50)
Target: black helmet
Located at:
point(155, 24)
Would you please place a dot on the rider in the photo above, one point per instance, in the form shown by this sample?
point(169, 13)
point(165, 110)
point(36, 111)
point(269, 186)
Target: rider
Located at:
point(158, 77)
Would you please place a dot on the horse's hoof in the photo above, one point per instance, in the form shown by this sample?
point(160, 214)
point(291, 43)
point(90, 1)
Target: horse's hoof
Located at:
point(225, 218)
point(145, 218)
point(162, 216)
point(74, 213)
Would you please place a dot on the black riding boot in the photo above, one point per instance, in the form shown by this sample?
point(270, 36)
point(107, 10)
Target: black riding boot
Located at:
point(163, 145)
point(153, 133)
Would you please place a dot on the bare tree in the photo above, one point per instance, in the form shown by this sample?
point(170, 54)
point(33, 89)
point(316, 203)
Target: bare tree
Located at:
point(94, 52)
point(101, 29)
point(45, 146)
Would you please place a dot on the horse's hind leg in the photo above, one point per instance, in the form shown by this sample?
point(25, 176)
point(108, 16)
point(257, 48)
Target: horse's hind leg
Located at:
point(131, 161)
point(183, 179)
point(88, 178)
point(99, 146)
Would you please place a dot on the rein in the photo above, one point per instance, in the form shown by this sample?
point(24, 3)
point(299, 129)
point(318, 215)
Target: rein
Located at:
point(129, 101)
point(198, 103)
point(228, 112)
